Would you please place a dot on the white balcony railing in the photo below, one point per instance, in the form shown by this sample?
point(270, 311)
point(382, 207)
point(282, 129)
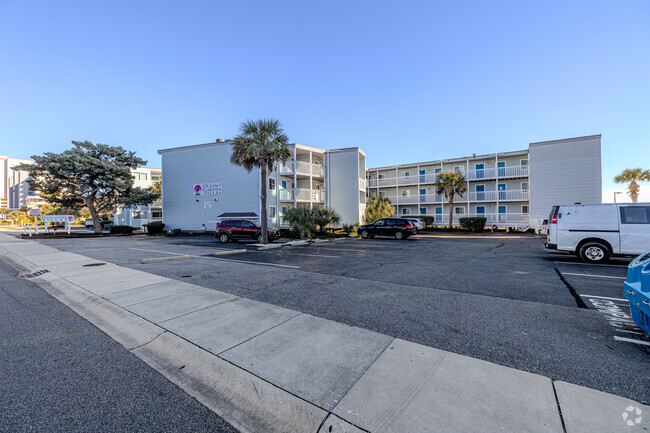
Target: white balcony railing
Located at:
point(485, 173)
point(286, 195)
point(305, 194)
point(386, 181)
point(491, 218)
point(510, 195)
point(408, 180)
point(302, 167)
point(513, 171)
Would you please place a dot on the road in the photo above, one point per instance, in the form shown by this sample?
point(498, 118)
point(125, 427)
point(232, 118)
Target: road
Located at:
point(61, 374)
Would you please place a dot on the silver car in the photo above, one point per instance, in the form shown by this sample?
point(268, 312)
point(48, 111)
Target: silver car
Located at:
point(418, 223)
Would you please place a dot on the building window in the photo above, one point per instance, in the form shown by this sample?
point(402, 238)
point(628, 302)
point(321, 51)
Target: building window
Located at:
point(524, 209)
point(524, 162)
point(272, 212)
point(423, 211)
point(524, 186)
point(459, 210)
point(139, 176)
point(458, 168)
point(272, 184)
point(156, 214)
point(406, 211)
point(405, 192)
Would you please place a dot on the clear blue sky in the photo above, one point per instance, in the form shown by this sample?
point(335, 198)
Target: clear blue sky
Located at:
point(405, 81)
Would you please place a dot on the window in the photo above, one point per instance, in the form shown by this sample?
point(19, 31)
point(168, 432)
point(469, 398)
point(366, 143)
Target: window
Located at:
point(406, 173)
point(139, 176)
point(272, 184)
point(406, 211)
point(524, 162)
point(156, 214)
point(272, 212)
point(423, 211)
point(379, 222)
point(524, 186)
point(423, 191)
point(245, 224)
point(480, 210)
point(405, 192)
point(524, 209)
point(458, 168)
point(382, 193)
point(635, 215)
point(459, 210)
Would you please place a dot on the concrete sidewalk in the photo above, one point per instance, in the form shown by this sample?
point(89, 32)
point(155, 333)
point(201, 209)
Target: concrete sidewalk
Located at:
point(265, 368)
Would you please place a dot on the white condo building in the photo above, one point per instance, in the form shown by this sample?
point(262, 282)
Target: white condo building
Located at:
point(14, 189)
point(137, 216)
point(201, 186)
point(509, 189)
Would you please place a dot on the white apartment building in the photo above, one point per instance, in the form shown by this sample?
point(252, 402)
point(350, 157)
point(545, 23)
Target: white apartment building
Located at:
point(510, 189)
point(201, 186)
point(14, 189)
point(137, 216)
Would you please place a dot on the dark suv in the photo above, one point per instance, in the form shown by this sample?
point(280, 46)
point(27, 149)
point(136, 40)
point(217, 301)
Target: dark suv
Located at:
point(241, 229)
point(400, 228)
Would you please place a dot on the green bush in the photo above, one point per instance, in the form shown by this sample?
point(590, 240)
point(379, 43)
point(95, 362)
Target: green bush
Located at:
point(121, 230)
point(428, 220)
point(155, 227)
point(475, 224)
point(349, 229)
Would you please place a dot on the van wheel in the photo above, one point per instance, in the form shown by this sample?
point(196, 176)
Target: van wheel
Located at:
point(365, 234)
point(224, 238)
point(399, 235)
point(594, 252)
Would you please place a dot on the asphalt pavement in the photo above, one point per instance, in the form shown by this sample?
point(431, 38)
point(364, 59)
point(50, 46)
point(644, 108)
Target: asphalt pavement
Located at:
point(62, 374)
point(503, 299)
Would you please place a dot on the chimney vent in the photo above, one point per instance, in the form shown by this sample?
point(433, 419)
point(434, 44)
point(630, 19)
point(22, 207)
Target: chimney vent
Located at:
point(220, 140)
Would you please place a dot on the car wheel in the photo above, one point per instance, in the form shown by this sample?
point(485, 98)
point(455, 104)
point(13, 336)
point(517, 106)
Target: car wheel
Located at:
point(399, 235)
point(258, 238)
point(365, 234)
point(594, 252)
point(224, 238)
point(416, 231)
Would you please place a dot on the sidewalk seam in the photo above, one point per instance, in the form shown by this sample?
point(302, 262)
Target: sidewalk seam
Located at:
point(559, 409)
point(144, 344)
point(255, 336)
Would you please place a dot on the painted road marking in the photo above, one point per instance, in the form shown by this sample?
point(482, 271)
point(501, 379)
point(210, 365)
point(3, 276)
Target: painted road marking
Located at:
point(162, 252)
point(256, 263)
point(301, 254)
point(588, 264)
point(346, 249)
point(631, 340)
point(605, 297)
point(594, 276)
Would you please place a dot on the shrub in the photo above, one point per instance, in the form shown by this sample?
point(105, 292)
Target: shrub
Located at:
point(349, 229)
point(475, 224)
point(428, 220)
point(121, 230)
point(155, 227)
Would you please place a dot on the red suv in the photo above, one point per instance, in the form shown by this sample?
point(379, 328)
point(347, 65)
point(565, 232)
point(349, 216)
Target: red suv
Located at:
point(241, 229)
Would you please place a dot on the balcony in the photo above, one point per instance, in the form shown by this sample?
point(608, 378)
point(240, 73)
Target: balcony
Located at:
point(385, 181)
point(502, 219)
point(362, 184)
point(307, 168)
point(513, 171)
point(286, 195)
point(481, 174)
point(311, 195)
point(511, 195)
point(408, 180)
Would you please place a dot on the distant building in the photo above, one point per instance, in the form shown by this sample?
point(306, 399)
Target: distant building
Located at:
point(137, 216)
point(14, 189)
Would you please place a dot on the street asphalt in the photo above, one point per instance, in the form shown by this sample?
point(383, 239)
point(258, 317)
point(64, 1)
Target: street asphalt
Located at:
point(503, 299)
point(61, 374)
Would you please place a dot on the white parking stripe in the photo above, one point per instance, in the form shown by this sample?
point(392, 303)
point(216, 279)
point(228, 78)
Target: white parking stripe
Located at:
point(594, 276)
point(604, 297)
point(588, 264)
point(631, 340)
point(257, 263)
point(300, 254)
point(162, 252)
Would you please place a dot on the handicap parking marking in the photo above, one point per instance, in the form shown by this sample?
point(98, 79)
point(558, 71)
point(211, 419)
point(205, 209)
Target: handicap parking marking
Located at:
point(616, 312)
point(593, 276)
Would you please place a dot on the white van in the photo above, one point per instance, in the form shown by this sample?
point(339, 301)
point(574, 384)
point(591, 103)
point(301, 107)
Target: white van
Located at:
point(596, 231)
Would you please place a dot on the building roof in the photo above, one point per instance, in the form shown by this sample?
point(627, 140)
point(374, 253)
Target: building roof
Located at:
point(566, 140)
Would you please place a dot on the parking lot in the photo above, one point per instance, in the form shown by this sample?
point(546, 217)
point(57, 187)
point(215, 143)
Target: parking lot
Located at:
point(502, 298)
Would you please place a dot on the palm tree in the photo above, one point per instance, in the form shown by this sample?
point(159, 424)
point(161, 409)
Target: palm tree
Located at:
point(633, 175)
point(260, 144)
point(378, 207)
point(324, 216)
point(301, 218)
point(451, 183)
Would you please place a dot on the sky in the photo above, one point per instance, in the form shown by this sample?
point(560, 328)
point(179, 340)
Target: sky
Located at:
point(405, 81)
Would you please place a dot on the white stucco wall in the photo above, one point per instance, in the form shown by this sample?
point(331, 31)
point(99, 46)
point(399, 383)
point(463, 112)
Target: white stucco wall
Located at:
point(342, 183)
point(563, 172)
point(183, 168)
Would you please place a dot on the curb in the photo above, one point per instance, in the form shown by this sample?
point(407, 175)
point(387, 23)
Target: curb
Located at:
point(165, 259)
point(225, 253)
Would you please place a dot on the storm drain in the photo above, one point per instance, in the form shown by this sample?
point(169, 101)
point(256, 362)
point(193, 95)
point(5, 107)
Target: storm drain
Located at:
point(34, 274)
point(93, 264)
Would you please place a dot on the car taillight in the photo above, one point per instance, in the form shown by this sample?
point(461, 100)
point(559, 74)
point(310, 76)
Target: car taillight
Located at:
point(554, 220)
point(409, 226)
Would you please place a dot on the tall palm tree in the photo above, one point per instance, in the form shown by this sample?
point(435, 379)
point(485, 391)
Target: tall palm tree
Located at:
point(260, 144)
point(633, 175)
point(451, 183)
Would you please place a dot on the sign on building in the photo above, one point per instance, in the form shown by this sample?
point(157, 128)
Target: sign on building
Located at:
point(208, 188)
point(34, 212)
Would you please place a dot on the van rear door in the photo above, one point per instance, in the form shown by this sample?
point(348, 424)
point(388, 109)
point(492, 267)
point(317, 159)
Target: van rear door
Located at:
point(634, 228)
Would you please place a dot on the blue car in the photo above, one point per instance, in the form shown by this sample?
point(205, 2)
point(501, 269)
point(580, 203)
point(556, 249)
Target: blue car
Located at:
point(637, 290)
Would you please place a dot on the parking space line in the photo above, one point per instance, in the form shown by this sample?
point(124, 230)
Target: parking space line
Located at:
point(592, 275)
point(604, 297)
point(588, 264)
point(631, 340)
point(256, 263)
point(347, 249)
point(157, 251)
point(300, 254)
